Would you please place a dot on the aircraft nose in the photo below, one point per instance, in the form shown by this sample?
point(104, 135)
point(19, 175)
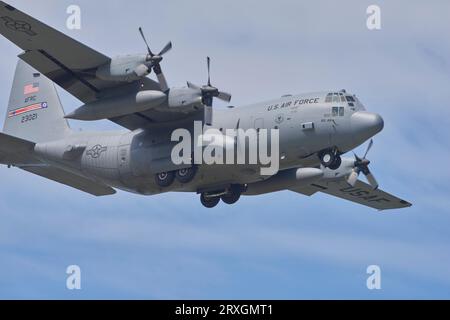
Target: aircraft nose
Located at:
point(366, 124)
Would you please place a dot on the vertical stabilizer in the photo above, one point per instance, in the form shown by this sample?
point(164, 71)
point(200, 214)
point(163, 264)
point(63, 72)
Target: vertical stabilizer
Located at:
point(34, 111)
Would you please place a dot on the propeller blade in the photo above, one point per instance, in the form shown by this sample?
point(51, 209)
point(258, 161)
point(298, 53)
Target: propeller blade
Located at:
point(368, 149)
point(372, 181)
point(358, 159)
point(161, 78)
point(353, 178)
point(224, 96)
point(166, 49)
point(146, 43)
point(208, 93)
point(162, 82)
point(208, 115)
point(208, 61)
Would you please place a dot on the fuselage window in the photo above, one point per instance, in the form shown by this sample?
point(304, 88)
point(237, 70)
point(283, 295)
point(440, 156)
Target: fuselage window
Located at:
point(338, 111)
point(335, 112)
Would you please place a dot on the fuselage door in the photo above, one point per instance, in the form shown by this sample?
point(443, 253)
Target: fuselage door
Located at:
point(124, 160)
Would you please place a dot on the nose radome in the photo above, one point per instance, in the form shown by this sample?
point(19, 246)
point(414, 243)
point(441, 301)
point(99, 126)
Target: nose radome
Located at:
point(366, 124)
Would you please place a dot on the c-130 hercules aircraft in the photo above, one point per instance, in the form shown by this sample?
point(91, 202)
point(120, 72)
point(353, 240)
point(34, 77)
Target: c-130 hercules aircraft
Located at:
point(315, 129)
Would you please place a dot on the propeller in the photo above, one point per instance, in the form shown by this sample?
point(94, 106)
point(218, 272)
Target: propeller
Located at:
point(208, 93)
point(155, 61)
point(362, 165)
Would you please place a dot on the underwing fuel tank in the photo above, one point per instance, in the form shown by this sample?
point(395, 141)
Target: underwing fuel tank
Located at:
point(119, 106)
point(285, 179)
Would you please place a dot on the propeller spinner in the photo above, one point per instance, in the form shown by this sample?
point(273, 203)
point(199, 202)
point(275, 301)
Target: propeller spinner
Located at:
point(208, 93)
point(155, 61)
point(362, 165)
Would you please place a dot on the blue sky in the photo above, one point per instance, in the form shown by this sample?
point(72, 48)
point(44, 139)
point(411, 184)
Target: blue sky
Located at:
point(280, 246)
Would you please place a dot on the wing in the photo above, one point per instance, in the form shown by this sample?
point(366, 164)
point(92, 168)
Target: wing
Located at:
point(62, 59)
point(156, 116)
point(69, 63)
point(361, 193)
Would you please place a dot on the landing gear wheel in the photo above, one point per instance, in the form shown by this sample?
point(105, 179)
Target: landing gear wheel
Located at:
point(165, 179)
point(233, 196)
point(209, 202)
point(327, 158)
point(186, 175)
point(336, 164)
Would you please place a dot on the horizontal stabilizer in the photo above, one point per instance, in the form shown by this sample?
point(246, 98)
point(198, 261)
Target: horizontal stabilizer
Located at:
point(72, 180)
point(15, 150)
point(19, 153)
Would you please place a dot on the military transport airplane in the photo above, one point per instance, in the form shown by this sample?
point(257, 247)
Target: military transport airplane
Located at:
point(315, 129)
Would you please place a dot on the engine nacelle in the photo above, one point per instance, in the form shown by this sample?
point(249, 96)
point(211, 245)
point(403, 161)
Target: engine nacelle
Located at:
point(344, 170)
point(125, 68)
point(184, 98)
point(119, 106)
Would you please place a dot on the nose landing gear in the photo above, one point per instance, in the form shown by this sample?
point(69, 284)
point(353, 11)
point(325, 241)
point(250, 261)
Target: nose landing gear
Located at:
point(330, 158)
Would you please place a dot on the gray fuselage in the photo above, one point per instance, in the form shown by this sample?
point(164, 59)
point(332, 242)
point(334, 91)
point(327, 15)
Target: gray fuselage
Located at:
point(307, 124)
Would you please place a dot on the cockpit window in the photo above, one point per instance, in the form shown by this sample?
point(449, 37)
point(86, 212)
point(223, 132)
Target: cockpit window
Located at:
point(340, 97)
point(350, 99)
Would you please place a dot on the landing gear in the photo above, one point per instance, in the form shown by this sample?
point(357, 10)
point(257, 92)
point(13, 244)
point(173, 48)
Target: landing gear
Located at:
point(330, 159)
point(233, 195)
point(209, 201)
point(336, 164)
point(186, 175)
point(230, 196)
point(165, 179)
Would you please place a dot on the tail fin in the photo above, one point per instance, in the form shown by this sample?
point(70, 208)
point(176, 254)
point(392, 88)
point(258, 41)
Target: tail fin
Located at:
point(34, 112)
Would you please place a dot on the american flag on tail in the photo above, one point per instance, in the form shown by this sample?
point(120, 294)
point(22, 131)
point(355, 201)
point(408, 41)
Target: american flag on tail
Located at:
point(31, 88)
